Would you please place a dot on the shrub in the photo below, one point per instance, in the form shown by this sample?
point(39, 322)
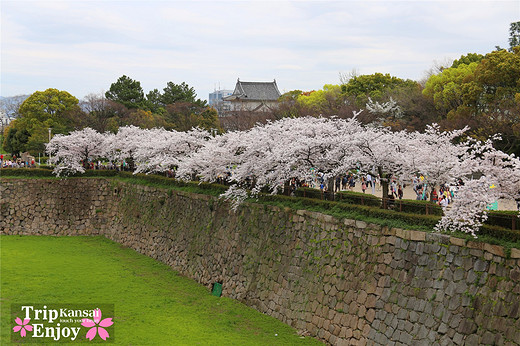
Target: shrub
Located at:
point(418, 207)
point(307, 192)
point(25, 172)
point(505, 219)
point(500, 233)
point(358, 198)
point(336, 208)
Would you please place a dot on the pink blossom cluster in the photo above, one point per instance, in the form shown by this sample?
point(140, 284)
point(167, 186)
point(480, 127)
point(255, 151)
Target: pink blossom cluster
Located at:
point(267, 156)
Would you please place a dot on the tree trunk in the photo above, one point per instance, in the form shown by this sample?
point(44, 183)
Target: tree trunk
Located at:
point(131, 163)
point(384, 185)
point(287, 188)
point(330, 188)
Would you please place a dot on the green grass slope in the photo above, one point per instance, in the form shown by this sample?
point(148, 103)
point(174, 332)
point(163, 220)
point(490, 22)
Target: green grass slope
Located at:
point(153, 304)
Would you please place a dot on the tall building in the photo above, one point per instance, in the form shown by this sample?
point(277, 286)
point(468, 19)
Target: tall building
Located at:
point(216, 101)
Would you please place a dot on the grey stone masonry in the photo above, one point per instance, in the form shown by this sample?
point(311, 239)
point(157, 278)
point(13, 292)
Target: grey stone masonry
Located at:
point(342, 281)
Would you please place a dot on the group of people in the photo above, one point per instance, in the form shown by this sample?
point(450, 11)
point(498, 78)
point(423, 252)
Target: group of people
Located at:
point(16, 163)
point(348, 181)
point(96, 165)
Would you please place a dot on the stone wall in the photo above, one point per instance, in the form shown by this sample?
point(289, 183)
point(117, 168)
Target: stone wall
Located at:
point(342, 281)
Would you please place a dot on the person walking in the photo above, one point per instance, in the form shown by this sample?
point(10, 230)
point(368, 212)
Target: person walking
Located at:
point(400, 192)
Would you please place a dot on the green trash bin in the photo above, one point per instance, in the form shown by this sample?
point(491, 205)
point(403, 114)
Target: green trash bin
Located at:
point(217, 289)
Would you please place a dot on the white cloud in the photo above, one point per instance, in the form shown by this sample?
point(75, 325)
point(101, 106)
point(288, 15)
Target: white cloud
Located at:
point(83, 46)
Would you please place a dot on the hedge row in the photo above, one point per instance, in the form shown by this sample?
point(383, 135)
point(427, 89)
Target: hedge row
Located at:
point(410, 219)
point(504, 218)
point(358, 198)
point(158, 179)
point(500, 232)
point(418, 207)
point(405, 205)
point(25, 172)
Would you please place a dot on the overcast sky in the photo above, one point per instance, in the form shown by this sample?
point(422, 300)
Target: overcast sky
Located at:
point(84, 46)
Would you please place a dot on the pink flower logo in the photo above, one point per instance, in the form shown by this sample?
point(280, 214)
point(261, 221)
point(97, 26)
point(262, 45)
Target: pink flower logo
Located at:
point(91, 334)
point(22, 327)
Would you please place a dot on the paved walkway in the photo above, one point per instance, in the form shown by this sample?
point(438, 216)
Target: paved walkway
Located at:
point(409, 193)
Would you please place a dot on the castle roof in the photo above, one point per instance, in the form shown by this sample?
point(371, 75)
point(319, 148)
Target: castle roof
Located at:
point(255, 91)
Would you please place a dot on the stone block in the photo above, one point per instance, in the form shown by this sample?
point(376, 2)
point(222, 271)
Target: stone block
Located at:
point(515, 253)
point(391, 239)
point(467, 327)
point(417, 236)
point(361, 224)
point(472, 340)
point(495, 249)
point(400, 233)
point(480, 265)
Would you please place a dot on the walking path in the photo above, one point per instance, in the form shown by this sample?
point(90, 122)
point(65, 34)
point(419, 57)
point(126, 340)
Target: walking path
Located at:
point(409, 193)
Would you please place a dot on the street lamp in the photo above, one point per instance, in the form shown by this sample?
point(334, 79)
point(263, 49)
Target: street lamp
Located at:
point(50, 156)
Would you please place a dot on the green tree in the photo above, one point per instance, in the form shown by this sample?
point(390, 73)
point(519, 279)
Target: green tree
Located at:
point(208, 119)
point(48, 104)
point(288, 106)
point(514, 35)
point(127, 92)
point(467, 59)
point(452, 88)
point(326, 101)
point(376, 86)
point(180, 93)
point(498, 75)
point(482, 94)
point(15, 140)
point(183, 116)
point(51, 108)
point(154, 100)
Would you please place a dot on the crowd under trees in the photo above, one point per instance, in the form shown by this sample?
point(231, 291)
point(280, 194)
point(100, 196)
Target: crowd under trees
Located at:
point(267, 156)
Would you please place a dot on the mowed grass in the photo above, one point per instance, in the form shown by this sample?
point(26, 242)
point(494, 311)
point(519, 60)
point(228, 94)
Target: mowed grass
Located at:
point(153, 304)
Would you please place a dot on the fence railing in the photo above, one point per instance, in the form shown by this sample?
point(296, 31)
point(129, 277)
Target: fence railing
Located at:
point(505, 219)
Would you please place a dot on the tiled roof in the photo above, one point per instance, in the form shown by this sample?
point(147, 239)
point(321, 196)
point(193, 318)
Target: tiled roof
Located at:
point(263, 91)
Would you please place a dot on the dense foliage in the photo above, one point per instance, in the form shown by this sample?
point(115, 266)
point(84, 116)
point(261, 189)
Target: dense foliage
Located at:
point(122, 105)
point(266, 157)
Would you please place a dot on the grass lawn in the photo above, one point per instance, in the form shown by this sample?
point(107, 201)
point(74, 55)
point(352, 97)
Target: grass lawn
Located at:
point(153, 304)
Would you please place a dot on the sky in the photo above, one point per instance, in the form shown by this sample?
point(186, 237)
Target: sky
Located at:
point(84, 46)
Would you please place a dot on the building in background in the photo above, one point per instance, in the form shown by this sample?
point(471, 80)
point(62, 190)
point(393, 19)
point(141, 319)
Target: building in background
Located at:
point(253, 97)
point(4, 120)
point(216, 101)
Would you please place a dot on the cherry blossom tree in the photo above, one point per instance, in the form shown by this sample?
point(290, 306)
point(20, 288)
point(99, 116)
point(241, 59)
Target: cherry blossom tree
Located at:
point(267, 156)
point(437, 155)
point(124, 144)
point(383, 110)
point(71, 153)
point(161, 150)
point(491, 174)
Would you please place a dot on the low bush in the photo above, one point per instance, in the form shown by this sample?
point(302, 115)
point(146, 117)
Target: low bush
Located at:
point(504, 218)
point(347, 209)
point(500, 233)
point(358, 198)
point(307, 192)
point(25, 172)
point(418, 207)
